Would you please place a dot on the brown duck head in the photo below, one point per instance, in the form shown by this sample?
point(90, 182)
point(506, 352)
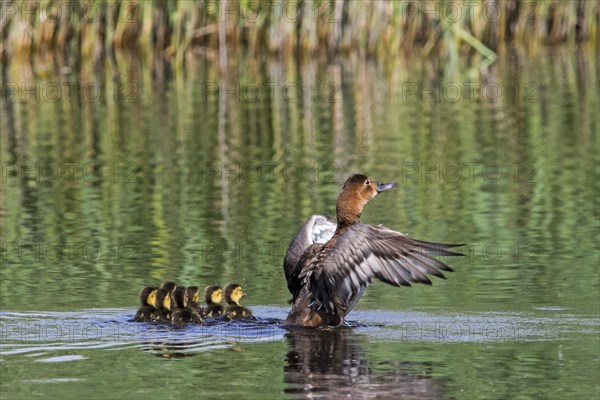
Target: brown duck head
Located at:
point(357, 192)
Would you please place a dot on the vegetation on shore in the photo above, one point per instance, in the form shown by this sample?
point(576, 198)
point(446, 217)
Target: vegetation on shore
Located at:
point(92, 29)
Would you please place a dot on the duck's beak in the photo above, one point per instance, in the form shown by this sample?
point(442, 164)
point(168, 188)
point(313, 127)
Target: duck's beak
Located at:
point(385, 186)
point(243, 294)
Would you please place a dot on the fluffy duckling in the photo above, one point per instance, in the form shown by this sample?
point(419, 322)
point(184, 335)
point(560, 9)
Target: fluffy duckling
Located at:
point(183, 314)
point(163, 306)
point(233, 294)
point(213, 295)
point(193, 293)
point(147, 310)
point(169, 285)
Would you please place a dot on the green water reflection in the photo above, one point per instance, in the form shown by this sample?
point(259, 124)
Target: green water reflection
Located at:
point(135, 174)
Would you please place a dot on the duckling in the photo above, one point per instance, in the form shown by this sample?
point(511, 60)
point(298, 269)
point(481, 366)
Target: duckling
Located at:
point(213, 295)
point(183, 314)
point(169, 285)
point(233, 294)
point(146, 311)
point(327, 279)
point(163, 306)
point(193, 293)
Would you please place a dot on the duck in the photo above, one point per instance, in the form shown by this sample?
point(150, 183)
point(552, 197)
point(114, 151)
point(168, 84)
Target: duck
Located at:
point(182, 313)
point(147, 310)
point(327, 278)
point(163, 306)
point(233, 294)
point(213, 295)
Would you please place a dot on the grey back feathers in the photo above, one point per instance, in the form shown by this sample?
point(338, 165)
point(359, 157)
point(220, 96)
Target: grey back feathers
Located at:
point(316, 229)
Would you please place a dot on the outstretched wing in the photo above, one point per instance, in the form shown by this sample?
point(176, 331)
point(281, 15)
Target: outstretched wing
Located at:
point(316, 229)
point(364, 252)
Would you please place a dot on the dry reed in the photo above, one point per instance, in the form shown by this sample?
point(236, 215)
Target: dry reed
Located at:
point(91, 29)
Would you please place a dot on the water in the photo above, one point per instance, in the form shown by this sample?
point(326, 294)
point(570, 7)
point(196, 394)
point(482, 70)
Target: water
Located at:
point(161, 177)
point(433, 355)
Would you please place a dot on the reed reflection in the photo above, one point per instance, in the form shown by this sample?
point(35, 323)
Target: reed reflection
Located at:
point(331, 363)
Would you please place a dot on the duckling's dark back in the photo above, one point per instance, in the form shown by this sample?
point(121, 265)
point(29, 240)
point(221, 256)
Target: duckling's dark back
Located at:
point(182, 313)
point(233, 312)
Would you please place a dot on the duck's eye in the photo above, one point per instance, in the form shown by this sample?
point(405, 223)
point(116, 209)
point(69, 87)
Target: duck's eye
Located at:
point(367, 182)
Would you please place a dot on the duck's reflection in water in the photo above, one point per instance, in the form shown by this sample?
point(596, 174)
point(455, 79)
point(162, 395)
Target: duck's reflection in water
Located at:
point(169, 349)
point(190, 340)
point(330, 364)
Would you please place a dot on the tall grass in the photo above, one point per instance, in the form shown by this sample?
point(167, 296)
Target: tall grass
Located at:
point(91, 29)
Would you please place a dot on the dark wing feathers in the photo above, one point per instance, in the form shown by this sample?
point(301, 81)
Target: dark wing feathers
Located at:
point(364, 252)
point(436, 249)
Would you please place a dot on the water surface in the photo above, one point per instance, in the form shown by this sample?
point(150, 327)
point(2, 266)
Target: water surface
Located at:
point(179, 175)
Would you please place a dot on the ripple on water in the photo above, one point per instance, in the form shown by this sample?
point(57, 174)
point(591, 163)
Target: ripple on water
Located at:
point(41, 335)
point(61, 359)
point(552, 308)
point(52, 380)
point(476, 327)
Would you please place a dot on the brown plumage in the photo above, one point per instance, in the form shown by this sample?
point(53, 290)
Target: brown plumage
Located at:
point(329, 278)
